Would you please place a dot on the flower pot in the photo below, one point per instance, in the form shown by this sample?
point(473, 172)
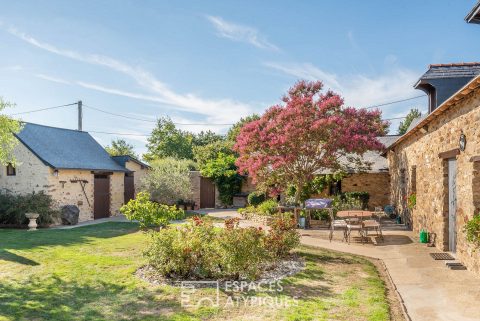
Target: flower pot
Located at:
point(32, 224)
point(301, 222)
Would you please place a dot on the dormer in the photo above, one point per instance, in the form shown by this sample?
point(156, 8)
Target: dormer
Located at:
point(474, 15)
point(441, 81)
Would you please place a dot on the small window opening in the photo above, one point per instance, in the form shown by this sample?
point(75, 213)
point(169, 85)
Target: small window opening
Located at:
point(11, 170)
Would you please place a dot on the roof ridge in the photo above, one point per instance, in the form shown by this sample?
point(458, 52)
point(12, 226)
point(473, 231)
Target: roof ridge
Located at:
point(69, 129)
point(455, 64)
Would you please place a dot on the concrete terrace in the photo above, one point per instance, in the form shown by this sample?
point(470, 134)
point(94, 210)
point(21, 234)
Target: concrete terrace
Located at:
point(429, 290)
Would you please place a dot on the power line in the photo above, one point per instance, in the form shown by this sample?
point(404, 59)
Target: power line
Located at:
point(394, 102)
point(154, 121)
point(42, 109)
point(120, 134)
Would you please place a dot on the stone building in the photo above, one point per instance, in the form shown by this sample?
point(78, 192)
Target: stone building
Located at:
point(375, 180)
point(438, 161)
point(70, 166)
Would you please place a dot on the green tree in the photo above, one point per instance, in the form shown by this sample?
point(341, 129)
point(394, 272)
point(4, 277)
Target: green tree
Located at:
point(404, 124)
point(235, 129)
point(207, 153)
point(206, 137)
point(168, 141)
point(168, 180)
point(8, 127)
point(120, 147)
point(223, 171)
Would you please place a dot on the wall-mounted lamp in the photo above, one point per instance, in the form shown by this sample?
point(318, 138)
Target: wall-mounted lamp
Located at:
point(55, 173)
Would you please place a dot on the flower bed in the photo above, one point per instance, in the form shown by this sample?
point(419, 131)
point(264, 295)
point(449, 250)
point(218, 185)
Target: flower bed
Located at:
point(199, 251)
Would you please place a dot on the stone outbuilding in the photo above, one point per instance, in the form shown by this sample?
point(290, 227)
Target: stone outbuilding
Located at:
point(71, 167)
point(375, 180)
point(438, 161)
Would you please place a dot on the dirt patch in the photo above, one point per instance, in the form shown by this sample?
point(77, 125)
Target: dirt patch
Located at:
point(396, 308)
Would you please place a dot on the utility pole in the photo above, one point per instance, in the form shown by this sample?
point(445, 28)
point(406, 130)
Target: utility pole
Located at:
point(80, 115)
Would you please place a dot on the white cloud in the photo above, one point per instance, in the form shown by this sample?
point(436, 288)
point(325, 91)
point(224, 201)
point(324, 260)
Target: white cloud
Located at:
point(358, 90)
point(241, 33)
point(216, 110)
point(52, 79)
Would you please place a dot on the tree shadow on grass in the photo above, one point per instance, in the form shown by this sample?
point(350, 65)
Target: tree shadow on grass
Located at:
point(12, 257)
point(25, 240)
point(56, 299)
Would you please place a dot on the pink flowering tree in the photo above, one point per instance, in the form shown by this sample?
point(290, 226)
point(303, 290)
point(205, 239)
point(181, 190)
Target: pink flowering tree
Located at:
point(311, 132)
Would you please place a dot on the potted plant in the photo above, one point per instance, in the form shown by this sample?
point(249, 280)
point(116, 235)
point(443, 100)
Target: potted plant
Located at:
point(302, 219)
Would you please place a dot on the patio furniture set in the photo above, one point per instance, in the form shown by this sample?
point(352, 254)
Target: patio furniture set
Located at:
point(345, 221)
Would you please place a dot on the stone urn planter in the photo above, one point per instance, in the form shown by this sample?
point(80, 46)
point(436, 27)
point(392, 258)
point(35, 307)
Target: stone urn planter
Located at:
point(32, 225)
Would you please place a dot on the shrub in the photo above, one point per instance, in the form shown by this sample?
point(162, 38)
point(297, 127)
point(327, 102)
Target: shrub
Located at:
point(344, 202)
point(242, 251)
point(269, 207)
point(320, 215)
point(150, 214)
point(255, 198)
point(189, 251)
point(363, 197)
point(472, 231)
point(13, 208)
point(169, 180)
point(283, 236)
point(197, 250)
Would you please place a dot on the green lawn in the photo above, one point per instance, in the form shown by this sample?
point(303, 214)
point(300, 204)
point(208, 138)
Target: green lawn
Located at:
point(87, 273)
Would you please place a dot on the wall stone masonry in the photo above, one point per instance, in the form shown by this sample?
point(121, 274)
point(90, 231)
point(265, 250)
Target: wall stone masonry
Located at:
point(31, 173)
point(415, 166)
point(138, 175)
point(376, 184)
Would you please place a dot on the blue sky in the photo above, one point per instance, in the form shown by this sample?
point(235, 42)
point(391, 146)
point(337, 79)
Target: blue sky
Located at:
point(216, 61)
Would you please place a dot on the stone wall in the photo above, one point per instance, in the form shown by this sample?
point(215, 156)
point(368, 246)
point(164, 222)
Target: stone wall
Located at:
point(415, 166)
point(117, 192)
point(376, 184)
point(248, 186)
point(31, 173)
point(195, 181)
point(139, 173)
point(66, 189)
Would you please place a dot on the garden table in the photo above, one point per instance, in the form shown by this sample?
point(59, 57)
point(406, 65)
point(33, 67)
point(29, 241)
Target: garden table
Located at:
point(350, 214)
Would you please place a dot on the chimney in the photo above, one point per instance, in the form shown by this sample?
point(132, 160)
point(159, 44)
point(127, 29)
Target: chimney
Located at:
point(441, 81)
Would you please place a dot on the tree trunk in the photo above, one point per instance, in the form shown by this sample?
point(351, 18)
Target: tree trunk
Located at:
point(298, 192)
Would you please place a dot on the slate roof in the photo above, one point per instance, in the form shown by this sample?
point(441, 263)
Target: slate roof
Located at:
point(474, 15)
point(123, 159)
point(379, 163)
point(455, 70)
point(62, 148)
point(415, 122)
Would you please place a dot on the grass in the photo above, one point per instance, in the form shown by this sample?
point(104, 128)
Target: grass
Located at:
point(87, 273)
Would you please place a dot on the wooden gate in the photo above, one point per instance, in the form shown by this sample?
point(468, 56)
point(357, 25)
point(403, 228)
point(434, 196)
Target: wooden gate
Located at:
point(101, 196)
point(129, 185)
point(207, 193)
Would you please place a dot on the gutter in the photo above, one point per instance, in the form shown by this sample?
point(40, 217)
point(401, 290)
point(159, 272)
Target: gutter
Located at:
point(466, 90)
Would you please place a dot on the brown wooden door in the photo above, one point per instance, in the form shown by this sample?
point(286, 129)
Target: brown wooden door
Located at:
point(207, 193)
point(101, 196)
point(129, 188)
